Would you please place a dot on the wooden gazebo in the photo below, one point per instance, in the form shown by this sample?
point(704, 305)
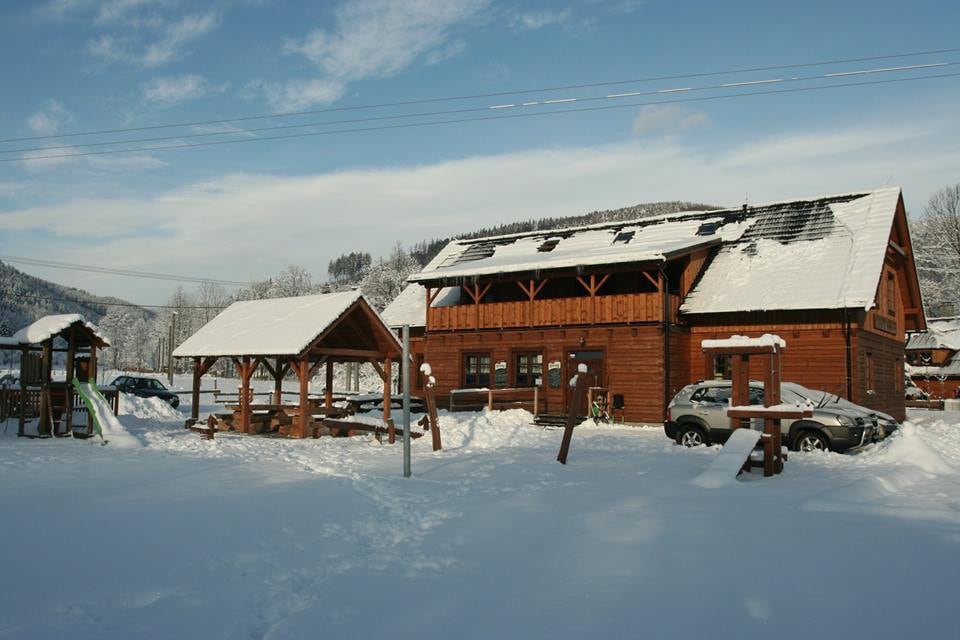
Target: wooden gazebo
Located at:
point(38, 394)
point(293, 334)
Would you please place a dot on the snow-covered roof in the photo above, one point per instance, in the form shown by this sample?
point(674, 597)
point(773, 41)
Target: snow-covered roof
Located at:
point(823, 253)
point(410, 306)
point(275, 327)
point(940, 334)
point(49, 326)
point(766, 340)
point(644, 240)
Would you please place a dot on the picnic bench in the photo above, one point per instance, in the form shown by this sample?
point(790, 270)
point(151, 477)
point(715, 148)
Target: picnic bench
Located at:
point(339, 428)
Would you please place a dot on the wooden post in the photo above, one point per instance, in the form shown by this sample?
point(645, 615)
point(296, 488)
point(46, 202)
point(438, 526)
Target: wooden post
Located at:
point(740, 393)
point(536, 401)
point(432, 418)
point(68, 389)
point(304, 376)
point(23, 393)
point(579, 392)
point(328, 394)
point(45, 425)
point(195, 401)
point(278, 382)
point(489, 399)
point(245, 372)
point(387, 381)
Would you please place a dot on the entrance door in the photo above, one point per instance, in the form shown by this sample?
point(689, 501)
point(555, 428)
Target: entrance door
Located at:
point(593, 359)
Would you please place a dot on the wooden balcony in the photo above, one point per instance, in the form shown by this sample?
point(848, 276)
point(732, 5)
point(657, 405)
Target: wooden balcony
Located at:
point(554, 312)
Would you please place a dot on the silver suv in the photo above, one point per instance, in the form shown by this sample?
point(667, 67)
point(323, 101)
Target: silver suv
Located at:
point(698, 415)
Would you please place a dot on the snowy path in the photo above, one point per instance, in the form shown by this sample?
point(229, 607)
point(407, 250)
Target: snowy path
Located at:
point(266, 538)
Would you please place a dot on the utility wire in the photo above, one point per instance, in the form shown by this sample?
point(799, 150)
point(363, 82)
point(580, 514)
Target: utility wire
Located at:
point(12, 295)
point(118, 272)
point(529, 114)
point(523, 105)
point(485, 95)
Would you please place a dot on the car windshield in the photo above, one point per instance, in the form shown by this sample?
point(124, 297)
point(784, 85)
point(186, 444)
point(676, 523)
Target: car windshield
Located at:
point(149, 383)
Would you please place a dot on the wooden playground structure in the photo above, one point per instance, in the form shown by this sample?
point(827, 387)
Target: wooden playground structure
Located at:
point(741, 413)
point(53, 403)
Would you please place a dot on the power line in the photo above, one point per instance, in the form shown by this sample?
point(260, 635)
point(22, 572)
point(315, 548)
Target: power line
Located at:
point(523, 105)
point(118, 272)
point(12, 295)
point(485, 95)
point(480, 118)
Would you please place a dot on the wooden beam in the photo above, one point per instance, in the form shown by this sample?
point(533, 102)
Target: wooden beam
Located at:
point(304, 417)
point(277, 373)
point(349, 353)
point(540, 286)
point(68, 391)
point(379, 369)
point(585, 285)
point(328, 390)
point(431, 296)
point(387, 382)
point(526, 291)
point(654, 281)
point(602, 282)
point(195, 399)
point(316, 366)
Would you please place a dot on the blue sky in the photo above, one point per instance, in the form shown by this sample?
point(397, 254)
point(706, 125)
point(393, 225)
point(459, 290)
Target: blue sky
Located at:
point(247, 210)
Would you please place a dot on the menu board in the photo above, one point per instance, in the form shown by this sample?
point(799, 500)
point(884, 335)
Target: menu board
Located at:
point(500, 374)
point(554, 374)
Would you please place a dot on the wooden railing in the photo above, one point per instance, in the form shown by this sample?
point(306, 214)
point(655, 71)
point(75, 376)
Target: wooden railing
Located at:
point(553, 312)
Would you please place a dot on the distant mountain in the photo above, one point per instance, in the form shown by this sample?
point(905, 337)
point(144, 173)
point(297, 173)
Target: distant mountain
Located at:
point(425, 250)
point(24, 298)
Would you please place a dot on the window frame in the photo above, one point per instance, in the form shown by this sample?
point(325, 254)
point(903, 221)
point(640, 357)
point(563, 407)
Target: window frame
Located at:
point(464, 369)
point(516, 372)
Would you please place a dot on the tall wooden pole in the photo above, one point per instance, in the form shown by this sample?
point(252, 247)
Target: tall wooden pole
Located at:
point(45, 427)
point(387, 383)
point(278, 382)
point(23, 393)
point(68, 389)
point(195, 400)
point(303, 373)
point(328, 392)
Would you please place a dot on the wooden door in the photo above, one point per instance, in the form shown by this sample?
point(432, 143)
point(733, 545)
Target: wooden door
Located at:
point(593, 359)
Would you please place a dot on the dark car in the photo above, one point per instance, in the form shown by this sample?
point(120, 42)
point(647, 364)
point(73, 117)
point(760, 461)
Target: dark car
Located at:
point(146, 388)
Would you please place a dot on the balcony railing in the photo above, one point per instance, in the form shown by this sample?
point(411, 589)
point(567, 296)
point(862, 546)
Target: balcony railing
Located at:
point(552, 312)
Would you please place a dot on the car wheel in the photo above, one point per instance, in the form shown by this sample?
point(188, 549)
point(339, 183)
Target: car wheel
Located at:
point(811, 441)
point(691, 435)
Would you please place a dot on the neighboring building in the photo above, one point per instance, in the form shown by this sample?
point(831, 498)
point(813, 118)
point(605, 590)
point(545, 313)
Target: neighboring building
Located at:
point(410, 308)
point(834, 276)
point(933, 358)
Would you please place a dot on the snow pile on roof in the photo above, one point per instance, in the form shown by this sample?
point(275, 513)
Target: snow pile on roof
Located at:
point(648, 239)
point(49, 326)
point(766, 340)
point(276, 327)
point(410, 307)
point(825, 253)
point(940, 334)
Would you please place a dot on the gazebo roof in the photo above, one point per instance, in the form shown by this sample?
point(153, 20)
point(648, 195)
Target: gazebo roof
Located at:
point(49, 327)
point(337, 324)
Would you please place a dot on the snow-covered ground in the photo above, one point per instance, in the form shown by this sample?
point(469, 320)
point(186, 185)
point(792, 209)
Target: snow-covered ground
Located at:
point(252, 537)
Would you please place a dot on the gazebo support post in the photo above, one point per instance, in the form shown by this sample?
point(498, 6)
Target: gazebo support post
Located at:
point(195, 401)
point(68, 389)
point(303, 373)
point(328, 391)
point(278, 381)
point(245, 372)
point(387, 381)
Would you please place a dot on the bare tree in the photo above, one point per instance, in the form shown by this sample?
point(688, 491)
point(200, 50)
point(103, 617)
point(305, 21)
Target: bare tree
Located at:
point(937, 248)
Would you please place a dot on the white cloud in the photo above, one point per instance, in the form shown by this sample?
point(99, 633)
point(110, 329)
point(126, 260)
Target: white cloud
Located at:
point(47, 121)
point(165, 40)
point(668, 119)
point(373, 39)
point(319, 216)
point(532, 20)
point(59, 155)
point(171, 90)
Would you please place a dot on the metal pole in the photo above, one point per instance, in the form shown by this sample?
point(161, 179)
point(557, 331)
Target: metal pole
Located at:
point(173, 321)
point(405, 374)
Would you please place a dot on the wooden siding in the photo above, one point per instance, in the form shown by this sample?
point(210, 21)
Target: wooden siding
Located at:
point(878, 373)
point(554, 312)
point(633, 361)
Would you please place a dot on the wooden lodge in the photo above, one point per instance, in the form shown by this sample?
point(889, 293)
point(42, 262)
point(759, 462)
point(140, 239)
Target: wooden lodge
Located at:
point(834, 276)
point(50, 403)
point(933, 358)
point(300, 335)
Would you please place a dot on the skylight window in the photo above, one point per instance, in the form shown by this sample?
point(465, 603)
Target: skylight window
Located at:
point(624, 237)
point(549, 245)
point(708, 228)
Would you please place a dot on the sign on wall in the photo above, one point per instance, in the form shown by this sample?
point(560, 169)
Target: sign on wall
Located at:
point(500, 374)
point(554, 374)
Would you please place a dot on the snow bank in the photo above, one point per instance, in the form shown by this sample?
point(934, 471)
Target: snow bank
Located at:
point(906, 446)
point(147, 408)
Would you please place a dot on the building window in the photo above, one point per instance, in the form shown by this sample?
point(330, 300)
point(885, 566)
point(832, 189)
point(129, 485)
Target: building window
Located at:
point(528, 370)
point(891, 295)
point(476, 370)
point(722, 368)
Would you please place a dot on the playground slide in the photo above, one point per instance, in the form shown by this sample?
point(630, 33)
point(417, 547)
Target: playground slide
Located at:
point(105, 423)
point(726, 466)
